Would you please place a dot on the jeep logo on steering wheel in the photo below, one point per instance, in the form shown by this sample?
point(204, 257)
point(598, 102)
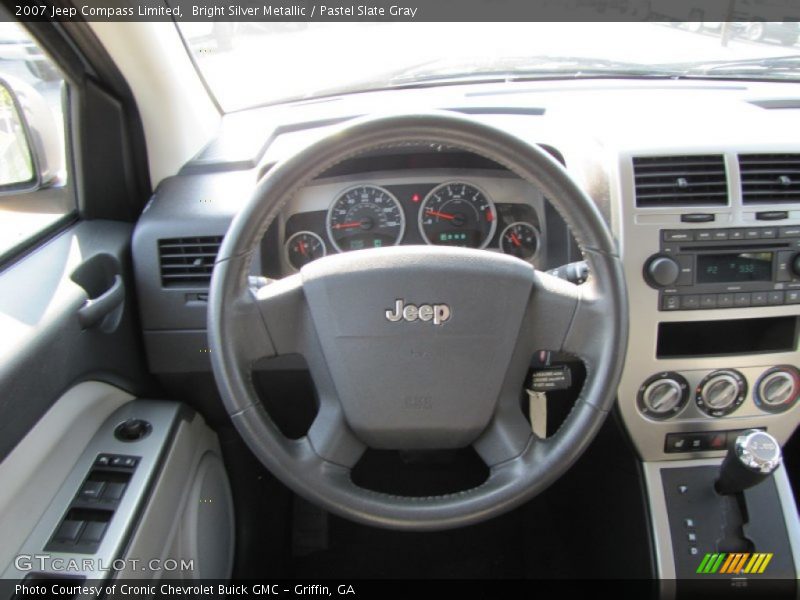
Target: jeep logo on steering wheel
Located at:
point(438, 313)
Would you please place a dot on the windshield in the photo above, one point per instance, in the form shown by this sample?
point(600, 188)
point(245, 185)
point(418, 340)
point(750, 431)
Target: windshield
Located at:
point(249, 64)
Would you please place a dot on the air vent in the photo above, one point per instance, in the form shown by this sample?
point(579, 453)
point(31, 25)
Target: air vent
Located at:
point(770, 178)
point(680, 181)
point(188, 261)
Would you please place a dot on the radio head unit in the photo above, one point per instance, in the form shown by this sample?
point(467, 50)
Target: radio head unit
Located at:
point(726, 268)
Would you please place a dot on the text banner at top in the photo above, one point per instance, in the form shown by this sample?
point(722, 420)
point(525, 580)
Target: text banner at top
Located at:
point(406, 10)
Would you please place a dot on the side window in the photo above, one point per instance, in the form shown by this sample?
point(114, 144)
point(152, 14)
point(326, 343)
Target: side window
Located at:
point(35, 194)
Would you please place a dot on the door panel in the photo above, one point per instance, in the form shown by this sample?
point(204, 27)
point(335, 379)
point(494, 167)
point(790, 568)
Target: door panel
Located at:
point(47, 343)
point(34, 471)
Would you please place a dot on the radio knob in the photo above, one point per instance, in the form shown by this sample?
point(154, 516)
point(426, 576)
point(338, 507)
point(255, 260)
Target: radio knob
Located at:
point(662, 271)
point(663, 395)
point(720, 393)
point(778, 388)
point(796, 264)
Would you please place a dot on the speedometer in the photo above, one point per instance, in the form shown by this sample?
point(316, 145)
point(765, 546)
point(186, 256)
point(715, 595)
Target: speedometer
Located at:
point(365, 216)
point(457, 214)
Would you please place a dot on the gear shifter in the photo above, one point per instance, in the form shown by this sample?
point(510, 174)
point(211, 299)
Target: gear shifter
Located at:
point(751, 459)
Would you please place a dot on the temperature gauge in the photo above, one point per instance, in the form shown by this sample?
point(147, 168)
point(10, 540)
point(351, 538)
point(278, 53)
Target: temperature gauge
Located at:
point(520, 239)
point(303, 247)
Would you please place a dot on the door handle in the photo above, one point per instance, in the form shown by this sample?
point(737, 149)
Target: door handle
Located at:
point(95, 309)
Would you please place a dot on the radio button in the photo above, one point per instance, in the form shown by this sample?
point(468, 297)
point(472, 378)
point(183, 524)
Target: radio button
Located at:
point(686, 264)
point(708, 301)
point(719, 234)
point(702, 236)
point(671, 303)
point(793, 297)
point(741, 300)
point(724, 300)
point(735, 234)
point(691, 302)
point(783, 272)
point(775, 298)
point(788, 232)
point(752, 234)
point(759, 299)
point(678, 236)
point(769, 233)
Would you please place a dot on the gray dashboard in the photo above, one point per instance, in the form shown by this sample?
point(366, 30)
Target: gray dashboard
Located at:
point(600, 130)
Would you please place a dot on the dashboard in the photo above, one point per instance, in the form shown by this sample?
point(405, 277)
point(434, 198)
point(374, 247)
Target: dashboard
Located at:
point(706, 216)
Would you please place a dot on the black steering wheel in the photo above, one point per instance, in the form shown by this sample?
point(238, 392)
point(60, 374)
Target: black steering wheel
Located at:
point(449, 371)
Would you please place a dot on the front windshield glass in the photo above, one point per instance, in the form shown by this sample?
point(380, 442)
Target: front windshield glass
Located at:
point(249, 64)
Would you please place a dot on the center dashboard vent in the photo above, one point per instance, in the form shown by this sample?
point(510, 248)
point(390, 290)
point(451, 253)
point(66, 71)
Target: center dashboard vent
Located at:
point(770, 178)
point(693, 180)
point(188, 261)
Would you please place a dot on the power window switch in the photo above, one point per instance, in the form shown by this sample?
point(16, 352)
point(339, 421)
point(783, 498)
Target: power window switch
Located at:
point(69, 530)
point(94, 532)
point(114, 492)
point(91, 490)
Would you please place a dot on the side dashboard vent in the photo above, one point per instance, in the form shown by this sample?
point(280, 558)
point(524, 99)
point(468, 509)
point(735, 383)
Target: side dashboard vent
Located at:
point(770, 178)
point(698, 180)
point(188, 261)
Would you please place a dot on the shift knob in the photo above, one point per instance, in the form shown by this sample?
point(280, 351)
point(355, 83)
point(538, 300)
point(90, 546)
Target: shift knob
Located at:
point(751, 459)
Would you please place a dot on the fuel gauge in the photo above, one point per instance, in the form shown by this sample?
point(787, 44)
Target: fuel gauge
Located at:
point(520, 239)
point(303, 247)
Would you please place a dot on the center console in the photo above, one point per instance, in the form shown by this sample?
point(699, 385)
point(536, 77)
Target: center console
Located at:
point(713, 275)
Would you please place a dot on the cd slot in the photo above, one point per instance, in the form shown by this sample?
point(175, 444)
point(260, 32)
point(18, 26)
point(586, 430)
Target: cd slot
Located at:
point(716, 247)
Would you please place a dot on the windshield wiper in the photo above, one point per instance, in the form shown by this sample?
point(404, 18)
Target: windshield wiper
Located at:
point(771, 65)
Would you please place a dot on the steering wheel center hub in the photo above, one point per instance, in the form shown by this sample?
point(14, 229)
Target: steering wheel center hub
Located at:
point(417, 339)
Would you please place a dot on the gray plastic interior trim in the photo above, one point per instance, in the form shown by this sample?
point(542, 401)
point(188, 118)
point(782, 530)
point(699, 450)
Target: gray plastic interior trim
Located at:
point(176, 516)
point(162, 416)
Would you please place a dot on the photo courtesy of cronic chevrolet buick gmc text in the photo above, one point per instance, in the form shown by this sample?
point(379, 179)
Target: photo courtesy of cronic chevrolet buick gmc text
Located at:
point(333, 300)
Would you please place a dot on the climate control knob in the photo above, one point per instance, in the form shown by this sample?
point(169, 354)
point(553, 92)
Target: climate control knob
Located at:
point(661, 271)
point(663, 395)
point(721, 392)
point(778, 389)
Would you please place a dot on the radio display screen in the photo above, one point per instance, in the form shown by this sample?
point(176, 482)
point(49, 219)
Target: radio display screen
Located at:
point(734, 268)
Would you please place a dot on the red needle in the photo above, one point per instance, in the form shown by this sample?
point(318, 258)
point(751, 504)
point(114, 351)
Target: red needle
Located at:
point(303, 248)
point(441, 215)
point(347, 225)
point(515, 239)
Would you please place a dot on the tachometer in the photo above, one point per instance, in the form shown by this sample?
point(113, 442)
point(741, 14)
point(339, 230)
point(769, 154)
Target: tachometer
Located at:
point(457, 214)
point(365, 216)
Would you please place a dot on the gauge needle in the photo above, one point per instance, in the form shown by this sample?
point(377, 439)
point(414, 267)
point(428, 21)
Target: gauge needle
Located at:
point(303, 249)
point(441, 215)
point(515, 239)
point(347, 225)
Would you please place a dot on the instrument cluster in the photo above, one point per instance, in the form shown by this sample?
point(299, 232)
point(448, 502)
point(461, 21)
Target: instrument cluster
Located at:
point(457, 212)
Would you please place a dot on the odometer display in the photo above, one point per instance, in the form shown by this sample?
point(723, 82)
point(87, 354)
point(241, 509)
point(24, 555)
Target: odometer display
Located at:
point(365, 216)
point(457, 214)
